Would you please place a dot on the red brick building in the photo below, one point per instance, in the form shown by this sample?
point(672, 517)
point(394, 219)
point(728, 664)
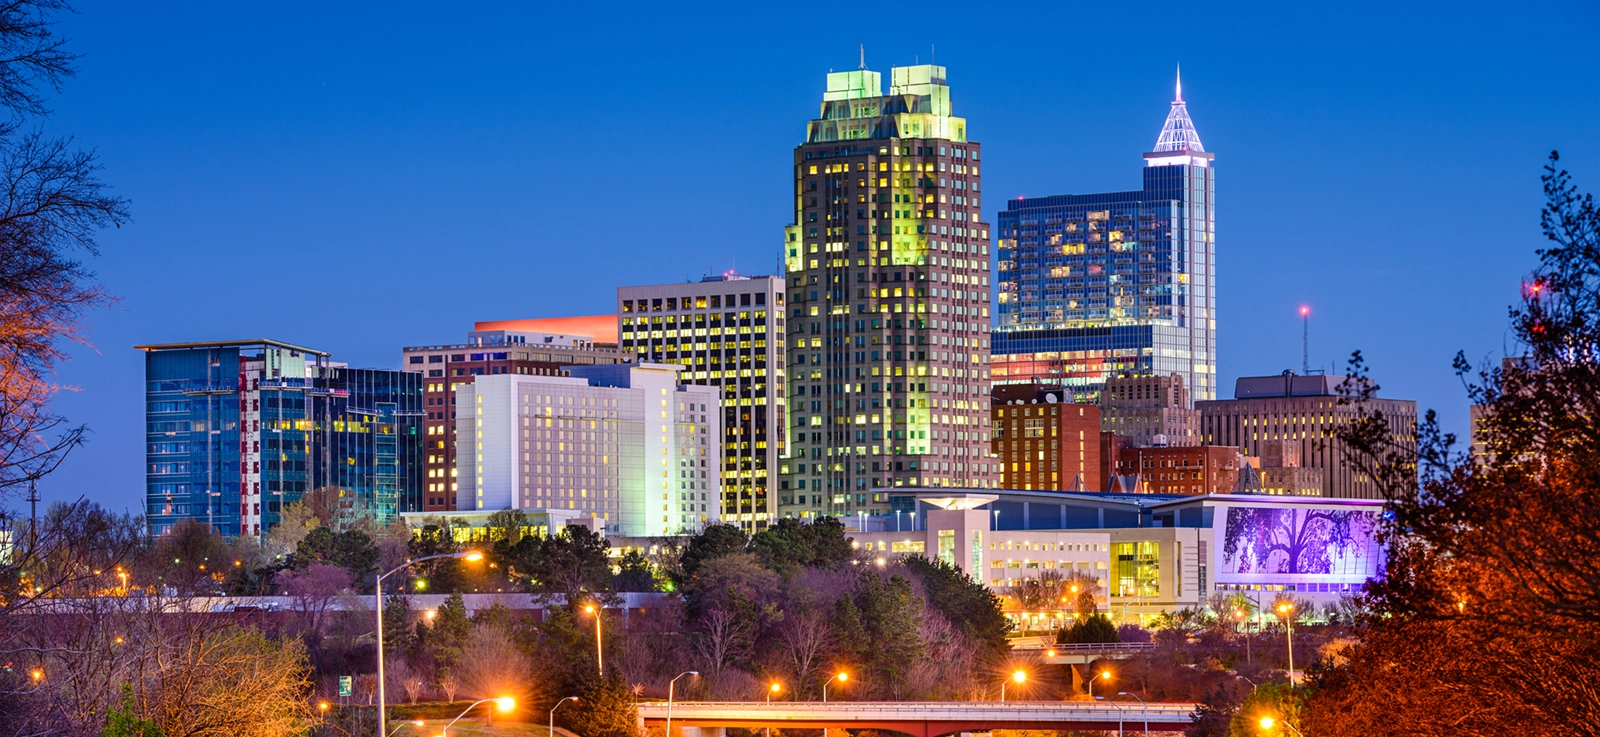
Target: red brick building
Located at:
point(1200, 469)
point(1044, 445)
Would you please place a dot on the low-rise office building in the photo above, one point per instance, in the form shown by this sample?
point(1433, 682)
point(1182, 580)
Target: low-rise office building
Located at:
point(1153, 553)
point(1042, 443)
point(1200, 469)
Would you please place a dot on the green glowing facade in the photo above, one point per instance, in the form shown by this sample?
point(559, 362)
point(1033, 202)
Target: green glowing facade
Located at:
point(888, 315)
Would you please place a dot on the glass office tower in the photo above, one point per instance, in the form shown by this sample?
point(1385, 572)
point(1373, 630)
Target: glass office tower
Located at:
point(236, 430)
point(888, 311)
point(1092, 286)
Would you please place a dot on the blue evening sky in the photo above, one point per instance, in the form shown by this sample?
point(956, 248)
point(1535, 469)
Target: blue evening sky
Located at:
point(359, 177)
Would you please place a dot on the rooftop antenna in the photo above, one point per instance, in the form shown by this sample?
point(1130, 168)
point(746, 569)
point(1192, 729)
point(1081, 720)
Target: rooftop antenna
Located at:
point(933, 54)
point(863, 56)
point(1305, 339)
point(1179, 92)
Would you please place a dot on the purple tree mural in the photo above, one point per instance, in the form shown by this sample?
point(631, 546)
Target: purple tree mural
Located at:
point(1268, 540)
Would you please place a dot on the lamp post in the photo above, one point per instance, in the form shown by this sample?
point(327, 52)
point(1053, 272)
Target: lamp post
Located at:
point(1287, 610)
point(1238, 616)
point(774, 688)
point(1146, 710)
point(1103, 674)
point(471, 556)
point(558, 706)
point(398, 727)
point(1120, 714)
point(599, 649)
point(1018, 676)
point(1268, 722)
point(841, 676)
point(506, 703)
point(670, 684)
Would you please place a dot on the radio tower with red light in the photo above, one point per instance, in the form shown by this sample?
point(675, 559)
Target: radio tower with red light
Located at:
point(1305, 340)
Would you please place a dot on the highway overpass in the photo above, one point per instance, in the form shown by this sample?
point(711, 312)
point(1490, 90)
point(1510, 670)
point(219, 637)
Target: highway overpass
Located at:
point(918, 718)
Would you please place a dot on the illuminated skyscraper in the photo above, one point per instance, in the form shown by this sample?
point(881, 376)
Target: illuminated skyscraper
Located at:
point(1092, 286)
point(726, 331)
point(888, 315)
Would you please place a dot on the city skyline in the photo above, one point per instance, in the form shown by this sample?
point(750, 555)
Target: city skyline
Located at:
point(153, 311)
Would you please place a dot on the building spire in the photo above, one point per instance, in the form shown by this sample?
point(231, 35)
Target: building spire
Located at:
point(863, 56)
point(1178, 134)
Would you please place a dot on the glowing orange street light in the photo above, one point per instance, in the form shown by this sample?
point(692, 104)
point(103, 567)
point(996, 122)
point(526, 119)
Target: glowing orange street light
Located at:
point(506, 703)
point(471, 556)
point(772, 690)
point(1019, 677)
point(1268, 723)
point(1285, 608)
point(841, 677)
point(38, 675)
point(1105, 674)
point(599, 648)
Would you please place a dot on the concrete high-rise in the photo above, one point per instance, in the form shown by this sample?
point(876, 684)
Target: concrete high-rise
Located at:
point(1150, 410)
point(1091, 286)
point(888, 310)
point(726, 331)
point(1305, 410)
point(606, 442)
point(487, 352)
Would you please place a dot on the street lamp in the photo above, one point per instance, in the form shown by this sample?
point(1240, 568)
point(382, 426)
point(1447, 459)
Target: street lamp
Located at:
point(1238, 616)
point(1268, 722)
point(670, 684)
point(1018, 676)
point(574, 698)
point(599, 649)
point(1103, 674)
point(841, 676)
point(1146, 710)
point(505, 703)
point(471, 556)
point(398, 727)
point(1287, 610)
point(774, 688)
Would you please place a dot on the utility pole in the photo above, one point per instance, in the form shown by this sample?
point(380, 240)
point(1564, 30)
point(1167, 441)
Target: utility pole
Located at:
point(33, 516)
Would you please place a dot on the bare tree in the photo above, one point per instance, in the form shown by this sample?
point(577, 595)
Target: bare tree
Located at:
point(492, 665)
point(52, 208)
point(312, 593)
point(723, 639)
point(448, 684)
point(806, 636)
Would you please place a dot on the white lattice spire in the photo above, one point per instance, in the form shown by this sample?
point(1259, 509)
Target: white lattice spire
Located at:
point(1179, 134)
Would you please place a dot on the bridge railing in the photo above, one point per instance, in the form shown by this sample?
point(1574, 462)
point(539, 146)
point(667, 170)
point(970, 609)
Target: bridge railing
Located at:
point(1041, 710)
point(1093, 647)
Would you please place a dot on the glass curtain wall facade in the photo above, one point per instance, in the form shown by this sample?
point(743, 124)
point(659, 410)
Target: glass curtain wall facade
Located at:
point(888, 309)
point(237, 430)
point(1091, 286)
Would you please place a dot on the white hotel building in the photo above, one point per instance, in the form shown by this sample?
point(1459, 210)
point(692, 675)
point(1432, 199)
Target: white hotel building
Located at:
point(626, 445)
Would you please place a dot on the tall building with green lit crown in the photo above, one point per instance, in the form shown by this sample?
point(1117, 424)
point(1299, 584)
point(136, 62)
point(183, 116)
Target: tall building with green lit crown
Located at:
point(888, 315)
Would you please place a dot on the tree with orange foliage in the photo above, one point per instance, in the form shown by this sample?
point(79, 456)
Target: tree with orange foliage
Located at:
point(52, 206)
point(1487, 621)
